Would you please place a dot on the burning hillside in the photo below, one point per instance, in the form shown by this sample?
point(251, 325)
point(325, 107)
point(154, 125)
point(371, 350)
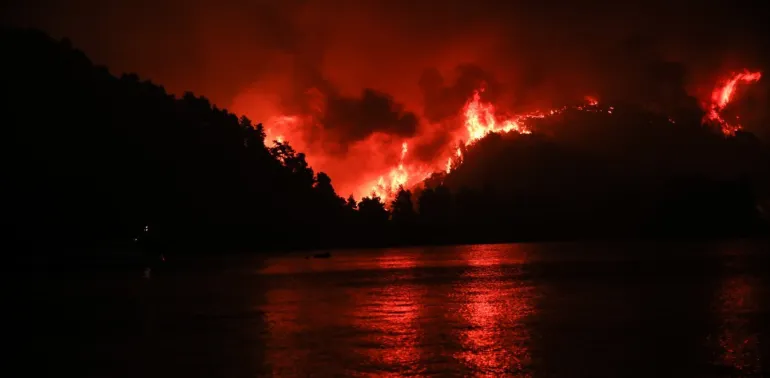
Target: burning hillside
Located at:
point(350, 87)
point(380, 163)
point(507, 166)
point(723, 95)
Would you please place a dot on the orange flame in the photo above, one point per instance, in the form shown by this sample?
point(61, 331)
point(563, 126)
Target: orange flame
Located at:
point(592, 101)
point(723, 94)
point(403, 176)
point(479, 119)
point(276, 127)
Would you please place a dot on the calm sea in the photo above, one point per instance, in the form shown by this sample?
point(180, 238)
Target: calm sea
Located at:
point(530, 310)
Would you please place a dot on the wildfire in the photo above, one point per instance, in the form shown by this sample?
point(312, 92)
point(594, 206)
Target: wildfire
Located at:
point(277, 126)
point(403, 176)
point(453, 160)
point(479, 119)
point(723, 94)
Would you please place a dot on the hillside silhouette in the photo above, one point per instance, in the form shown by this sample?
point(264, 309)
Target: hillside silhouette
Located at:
point(91, 158)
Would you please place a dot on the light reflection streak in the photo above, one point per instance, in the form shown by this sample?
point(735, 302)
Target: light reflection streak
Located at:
point(285, 325)
point(495, 339)
point(737, 340)
point(402, 313)
point(389, 318)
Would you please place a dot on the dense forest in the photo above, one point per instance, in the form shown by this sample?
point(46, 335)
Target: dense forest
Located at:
point(91, 158)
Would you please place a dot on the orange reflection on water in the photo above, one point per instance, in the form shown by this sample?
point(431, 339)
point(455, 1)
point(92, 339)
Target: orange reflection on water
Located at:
point(397, 260)
point(388, 318)
point(284, 316)
point(738, 342)
point(494, 340)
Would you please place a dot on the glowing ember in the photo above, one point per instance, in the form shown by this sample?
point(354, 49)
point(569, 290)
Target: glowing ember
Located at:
point(722, 95)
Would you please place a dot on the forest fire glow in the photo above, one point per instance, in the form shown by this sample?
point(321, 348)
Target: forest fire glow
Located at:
point(399, 177)
point(279, 125)
point(723, 95)
point(477, 119)
point(480, 120)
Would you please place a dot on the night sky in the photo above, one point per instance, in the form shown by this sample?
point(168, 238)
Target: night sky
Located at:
point(222, 49)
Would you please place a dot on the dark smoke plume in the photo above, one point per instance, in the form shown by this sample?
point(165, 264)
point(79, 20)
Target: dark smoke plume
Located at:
point(443, 100)
point(354, 119)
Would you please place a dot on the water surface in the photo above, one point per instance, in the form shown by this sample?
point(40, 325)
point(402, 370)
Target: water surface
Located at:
point(532, 310)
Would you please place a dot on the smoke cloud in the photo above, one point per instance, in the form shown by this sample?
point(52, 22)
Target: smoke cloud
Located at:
point(354, 119)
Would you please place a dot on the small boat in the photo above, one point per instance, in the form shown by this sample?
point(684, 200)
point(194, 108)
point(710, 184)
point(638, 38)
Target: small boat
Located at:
point(324, 255)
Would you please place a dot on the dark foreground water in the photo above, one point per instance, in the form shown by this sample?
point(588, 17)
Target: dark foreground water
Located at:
point(539, 310)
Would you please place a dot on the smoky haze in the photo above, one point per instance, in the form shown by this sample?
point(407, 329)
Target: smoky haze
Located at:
point(378, 72)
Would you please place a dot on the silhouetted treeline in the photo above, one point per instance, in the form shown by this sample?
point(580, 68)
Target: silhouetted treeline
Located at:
point(90, 159)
